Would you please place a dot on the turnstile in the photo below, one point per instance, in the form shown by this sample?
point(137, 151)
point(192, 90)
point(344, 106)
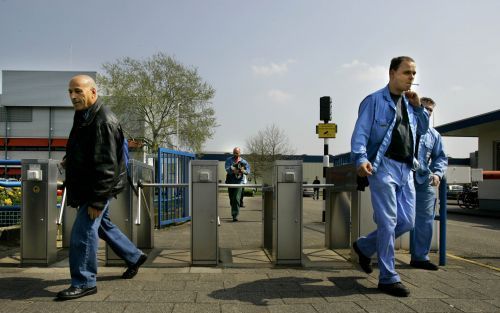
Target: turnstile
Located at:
point(349, 213)
point(38, 211)
point(143, 223)
point(267, 218)
point(123, 211)
point(338, 203)
point(286, 213)
point(204, 230)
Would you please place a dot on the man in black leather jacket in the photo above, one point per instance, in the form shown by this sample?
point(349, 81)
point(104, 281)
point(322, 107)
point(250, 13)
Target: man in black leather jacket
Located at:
point(95, 173)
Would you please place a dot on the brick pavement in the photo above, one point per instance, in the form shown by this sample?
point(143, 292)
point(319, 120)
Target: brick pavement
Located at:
point(327, 283)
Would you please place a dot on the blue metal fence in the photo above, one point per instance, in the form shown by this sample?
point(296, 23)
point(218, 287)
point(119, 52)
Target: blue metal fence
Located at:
point(173, 202)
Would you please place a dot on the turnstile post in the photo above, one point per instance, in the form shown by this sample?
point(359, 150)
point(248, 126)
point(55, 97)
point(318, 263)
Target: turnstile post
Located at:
point(287, 212)
point(123, 211)
point(204, 231)
point(39, 212)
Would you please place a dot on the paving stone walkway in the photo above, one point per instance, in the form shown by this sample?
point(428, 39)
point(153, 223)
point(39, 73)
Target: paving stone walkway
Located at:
point(248, 282)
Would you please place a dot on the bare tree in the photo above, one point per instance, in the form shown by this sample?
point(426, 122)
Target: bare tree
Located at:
point(265, 147)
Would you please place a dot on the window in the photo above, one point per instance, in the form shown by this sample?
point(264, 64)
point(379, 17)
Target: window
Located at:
point(16, 114)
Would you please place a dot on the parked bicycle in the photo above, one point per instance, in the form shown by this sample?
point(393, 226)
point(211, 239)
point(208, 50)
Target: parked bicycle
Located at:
point(468, 198)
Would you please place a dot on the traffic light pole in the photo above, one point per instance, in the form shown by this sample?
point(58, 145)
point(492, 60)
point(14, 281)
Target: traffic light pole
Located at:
point(326, 164)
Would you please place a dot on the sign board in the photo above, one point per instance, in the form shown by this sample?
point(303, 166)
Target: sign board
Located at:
point(326, 130)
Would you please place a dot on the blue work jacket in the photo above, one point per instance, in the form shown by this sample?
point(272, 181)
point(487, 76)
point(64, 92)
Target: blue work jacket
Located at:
point(431, 157)
point(231, 178)
point(373, 130)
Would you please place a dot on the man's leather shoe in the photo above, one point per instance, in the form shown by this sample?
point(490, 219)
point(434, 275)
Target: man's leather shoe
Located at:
point(133, 269)
point(396, 289)
point(235, 219)
point(75, 293)
point(364, 261)
point(425, 265)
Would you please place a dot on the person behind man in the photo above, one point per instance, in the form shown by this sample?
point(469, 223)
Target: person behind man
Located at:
point(316, 190)
point(95, 173)
point(382, 147)
point(236, 169)
point(432, 166)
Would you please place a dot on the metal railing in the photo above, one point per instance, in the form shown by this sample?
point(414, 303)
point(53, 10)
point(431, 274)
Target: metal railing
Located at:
point(172, 199)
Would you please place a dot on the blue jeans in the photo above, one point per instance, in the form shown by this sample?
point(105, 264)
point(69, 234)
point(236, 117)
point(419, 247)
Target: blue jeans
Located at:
point(393, 201)
point(424, 221)
point(85, 242)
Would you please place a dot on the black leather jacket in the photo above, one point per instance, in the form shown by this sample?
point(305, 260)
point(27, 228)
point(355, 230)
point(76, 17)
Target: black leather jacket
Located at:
point(95, 167)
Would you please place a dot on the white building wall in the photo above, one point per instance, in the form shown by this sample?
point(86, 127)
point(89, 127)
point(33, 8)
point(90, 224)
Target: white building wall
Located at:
point(38, 128)
point(62, 121)
point(488, 189)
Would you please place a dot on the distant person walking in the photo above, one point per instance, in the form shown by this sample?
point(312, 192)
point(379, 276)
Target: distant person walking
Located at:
point(236, 169)
point(95, 173)
point(432, 166)
point(382, 148)
point(316, 190)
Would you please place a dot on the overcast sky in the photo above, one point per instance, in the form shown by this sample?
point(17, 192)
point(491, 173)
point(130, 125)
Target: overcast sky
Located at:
point(271, 61)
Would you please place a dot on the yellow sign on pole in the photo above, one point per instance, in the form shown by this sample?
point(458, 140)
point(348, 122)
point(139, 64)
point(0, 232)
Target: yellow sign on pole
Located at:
point(327, 130)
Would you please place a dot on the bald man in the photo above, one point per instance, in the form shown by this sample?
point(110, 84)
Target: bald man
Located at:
point(236, 170)
point(95, 173)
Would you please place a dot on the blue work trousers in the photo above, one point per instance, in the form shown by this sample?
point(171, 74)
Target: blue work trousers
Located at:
point(424, 221)
point(234, 200)
point(85, 242)
point(393, 201)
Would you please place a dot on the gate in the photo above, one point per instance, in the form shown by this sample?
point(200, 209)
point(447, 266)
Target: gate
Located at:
point(173, 202)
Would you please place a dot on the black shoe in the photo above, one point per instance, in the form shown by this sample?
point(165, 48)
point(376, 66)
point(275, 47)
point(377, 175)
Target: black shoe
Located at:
point(425, 265)
point(235, 219)
point(364, 261)
point(133, 269)
point(75, 293)
point(396, 289)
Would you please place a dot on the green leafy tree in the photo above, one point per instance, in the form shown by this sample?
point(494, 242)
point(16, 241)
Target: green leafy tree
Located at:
point(160, 101)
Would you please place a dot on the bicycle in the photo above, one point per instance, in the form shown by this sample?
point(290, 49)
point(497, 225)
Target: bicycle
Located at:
point(468, 198)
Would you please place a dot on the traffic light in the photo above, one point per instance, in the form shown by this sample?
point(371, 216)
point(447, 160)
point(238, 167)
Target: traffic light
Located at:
point(325, 109)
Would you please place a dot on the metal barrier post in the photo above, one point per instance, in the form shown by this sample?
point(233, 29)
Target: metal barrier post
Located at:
point(267, 219)
point(142, 204)
point(39, 212)
point(442, 221)
point(204, 230)
point(349, 211)
point(124, 211)
point(120, 213)
point(338, 219)
point(287, 212)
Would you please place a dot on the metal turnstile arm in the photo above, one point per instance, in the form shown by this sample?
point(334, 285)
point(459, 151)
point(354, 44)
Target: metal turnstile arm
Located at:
point(140, 195)
point(138, 218)
point(326, 186)
point(63, 204)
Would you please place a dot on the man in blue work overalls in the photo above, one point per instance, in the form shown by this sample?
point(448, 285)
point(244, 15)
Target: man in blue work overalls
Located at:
point(432, 164)
point(382, 148)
